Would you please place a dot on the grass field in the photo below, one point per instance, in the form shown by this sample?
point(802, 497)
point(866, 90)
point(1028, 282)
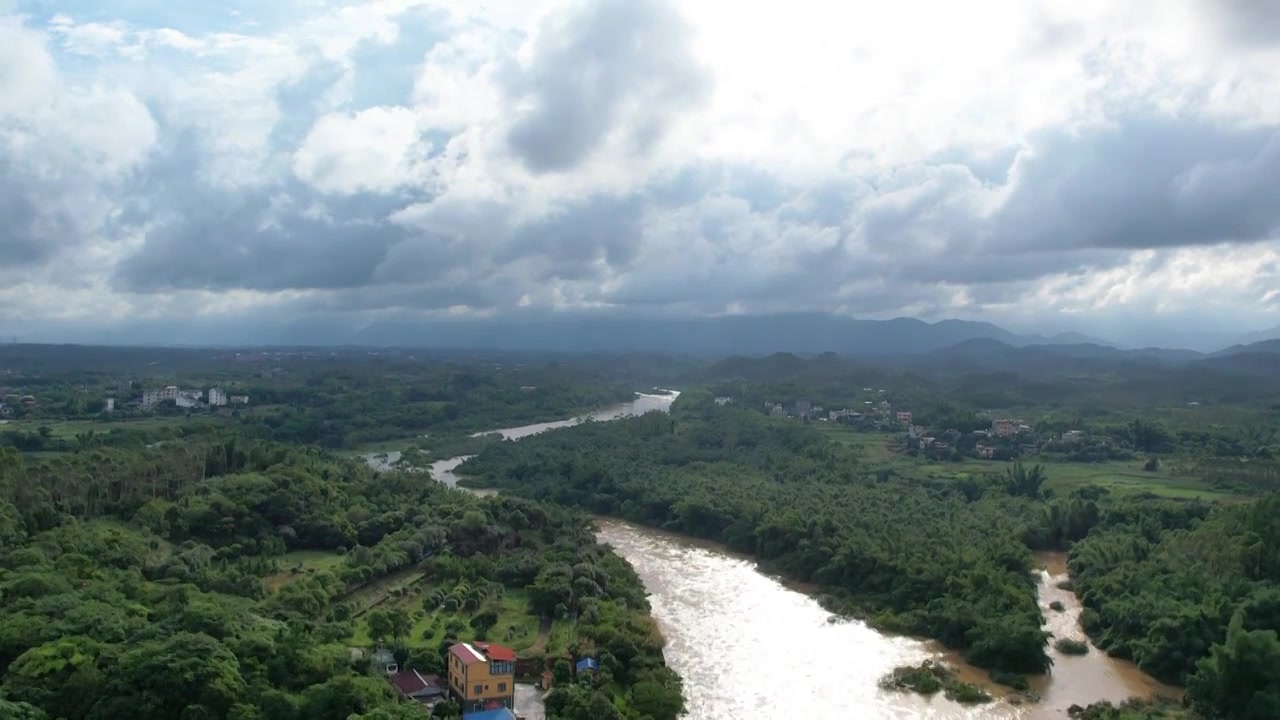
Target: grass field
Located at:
point(303, 561)
point(68, 429)
point(880, 451)
point(516, 628)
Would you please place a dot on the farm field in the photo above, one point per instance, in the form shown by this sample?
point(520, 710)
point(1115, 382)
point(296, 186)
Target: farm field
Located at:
point(880, 452)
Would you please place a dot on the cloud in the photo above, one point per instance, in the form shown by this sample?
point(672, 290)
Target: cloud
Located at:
point(610, 71)
point(340, 163)
point(369, 151)
point(63, 151)
point(1252, 21)
point(1144, 183)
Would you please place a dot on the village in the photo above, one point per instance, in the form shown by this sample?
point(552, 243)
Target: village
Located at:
point(999, 438)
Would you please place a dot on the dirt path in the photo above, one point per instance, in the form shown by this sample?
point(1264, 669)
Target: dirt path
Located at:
point(539, 646)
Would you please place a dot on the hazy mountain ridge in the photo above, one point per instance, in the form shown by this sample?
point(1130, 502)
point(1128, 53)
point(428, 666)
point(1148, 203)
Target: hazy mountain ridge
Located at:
point(754, 335)
point(714, 337)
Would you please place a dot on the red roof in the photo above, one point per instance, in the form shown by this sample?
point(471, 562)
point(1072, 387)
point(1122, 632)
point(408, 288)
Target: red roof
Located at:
point(470, 653)
point(499, 653)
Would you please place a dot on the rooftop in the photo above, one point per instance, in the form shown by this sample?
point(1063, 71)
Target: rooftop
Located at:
point(470, 653)
point(413, 683)
point(498, 714)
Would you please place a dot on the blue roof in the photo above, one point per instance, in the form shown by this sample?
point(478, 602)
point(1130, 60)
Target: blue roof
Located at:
point(588, 664)
point(499, 714)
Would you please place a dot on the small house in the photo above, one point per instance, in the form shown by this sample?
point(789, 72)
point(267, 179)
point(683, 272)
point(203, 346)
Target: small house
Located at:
point(482, 676)
point(413, 685)
point(587, 665)
point(986, 452)
point(724, 401)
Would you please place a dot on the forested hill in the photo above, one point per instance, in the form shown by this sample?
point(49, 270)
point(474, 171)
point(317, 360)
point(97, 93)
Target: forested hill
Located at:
point(225, 580)
point(1190, 591)
point(987, 373)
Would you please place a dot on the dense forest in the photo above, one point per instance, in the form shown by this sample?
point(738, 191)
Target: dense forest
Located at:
point(1187, 589)
point(134, 585)
point(1192, 595)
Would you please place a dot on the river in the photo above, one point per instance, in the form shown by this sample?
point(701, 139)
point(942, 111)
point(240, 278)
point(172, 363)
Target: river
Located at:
point(750, 647)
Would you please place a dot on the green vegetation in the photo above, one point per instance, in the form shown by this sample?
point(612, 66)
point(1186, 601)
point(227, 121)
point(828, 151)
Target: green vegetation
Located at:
point(1071, 646)
point(1133, 709)
point(1162, 582)
point(879, 451)
point(1159, 578)
point(929, 677)
point(229, 579)
point(936, 560)
point(1057, 606)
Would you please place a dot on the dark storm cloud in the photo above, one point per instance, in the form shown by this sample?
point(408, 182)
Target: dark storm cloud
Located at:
point(608, 67)
point(575, 239)
point(257, 242)
point(31, 229)
point(42, 213)
point(1144, 184)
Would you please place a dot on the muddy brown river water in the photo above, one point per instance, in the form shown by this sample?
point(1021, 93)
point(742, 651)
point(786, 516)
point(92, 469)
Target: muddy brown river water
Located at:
point(749, 647)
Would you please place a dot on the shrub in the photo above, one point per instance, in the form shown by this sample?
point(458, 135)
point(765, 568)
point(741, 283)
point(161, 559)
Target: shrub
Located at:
point(1057, 606)
point(1071, 646)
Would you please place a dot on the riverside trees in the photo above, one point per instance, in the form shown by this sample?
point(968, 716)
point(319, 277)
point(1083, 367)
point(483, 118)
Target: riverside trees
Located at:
point(131, 595)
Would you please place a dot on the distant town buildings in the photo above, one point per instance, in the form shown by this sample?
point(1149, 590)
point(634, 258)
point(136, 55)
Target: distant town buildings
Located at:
point(904, 416)
point(1005, 428)
point(110, 405)
point(1073, 436)
point(217, 397)
point(239, 399)
point(724, 401)
point(155, 397)
point(986, 452)
point(189, 398)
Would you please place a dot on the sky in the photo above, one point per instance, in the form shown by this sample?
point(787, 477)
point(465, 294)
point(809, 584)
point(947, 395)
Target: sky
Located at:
point(220, 171)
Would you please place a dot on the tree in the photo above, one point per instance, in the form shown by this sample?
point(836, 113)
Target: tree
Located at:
point(656, 701)
point(399, 623)
point(166, 679)
point(380, 625)
point(1021, 482)
point(1238, 680)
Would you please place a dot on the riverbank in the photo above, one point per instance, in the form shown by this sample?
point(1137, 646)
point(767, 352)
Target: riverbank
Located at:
point(687, 599)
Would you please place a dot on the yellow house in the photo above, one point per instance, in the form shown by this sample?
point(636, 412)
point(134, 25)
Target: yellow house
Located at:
point(482, 676)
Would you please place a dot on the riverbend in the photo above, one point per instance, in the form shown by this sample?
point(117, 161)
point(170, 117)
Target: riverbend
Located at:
point(750, 646)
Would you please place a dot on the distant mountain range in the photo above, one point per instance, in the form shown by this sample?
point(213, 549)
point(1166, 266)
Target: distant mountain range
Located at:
point(987, 354)
point(802, 333)
point(722, 336)
point(1260, 336)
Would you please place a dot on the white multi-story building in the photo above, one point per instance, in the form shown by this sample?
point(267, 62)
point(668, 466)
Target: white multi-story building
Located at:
point(155, 397)
point(217, 397)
